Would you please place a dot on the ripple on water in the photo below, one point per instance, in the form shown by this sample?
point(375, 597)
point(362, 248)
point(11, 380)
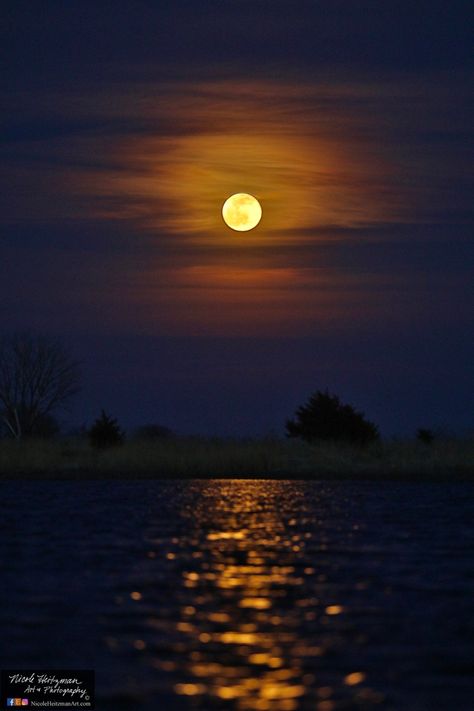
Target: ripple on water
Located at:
point(243, 594)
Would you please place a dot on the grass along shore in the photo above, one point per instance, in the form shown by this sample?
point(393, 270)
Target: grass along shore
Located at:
point(447, 460)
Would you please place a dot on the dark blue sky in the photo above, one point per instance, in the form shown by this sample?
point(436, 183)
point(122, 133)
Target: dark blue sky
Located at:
point(124, 128)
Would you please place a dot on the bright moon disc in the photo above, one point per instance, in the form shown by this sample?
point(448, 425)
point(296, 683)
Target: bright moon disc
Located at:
point(242, 212)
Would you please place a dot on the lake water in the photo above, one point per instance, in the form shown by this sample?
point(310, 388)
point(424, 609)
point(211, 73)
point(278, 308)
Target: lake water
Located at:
point(279, 596)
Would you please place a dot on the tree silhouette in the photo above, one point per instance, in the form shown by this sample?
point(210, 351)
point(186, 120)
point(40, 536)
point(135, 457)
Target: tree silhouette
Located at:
point(105, 432)
point(37, 376)
point(324, 417)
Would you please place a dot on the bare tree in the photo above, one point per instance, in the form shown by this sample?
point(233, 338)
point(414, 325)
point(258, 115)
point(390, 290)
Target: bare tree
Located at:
point(37, 376)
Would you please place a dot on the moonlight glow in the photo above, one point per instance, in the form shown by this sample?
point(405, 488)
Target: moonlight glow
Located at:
point(242, 212)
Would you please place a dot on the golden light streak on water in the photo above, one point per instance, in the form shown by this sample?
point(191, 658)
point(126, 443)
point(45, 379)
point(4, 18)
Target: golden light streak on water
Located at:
point(252, 668)
point(236, 641)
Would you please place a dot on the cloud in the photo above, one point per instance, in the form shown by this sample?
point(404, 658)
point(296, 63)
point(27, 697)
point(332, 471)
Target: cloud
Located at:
point(322, 155)
point(304, 151)
point(358, 181)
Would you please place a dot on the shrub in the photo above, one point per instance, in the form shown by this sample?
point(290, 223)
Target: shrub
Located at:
point(46, 427)
point(105, 432)
point(424, 435)
point(324, 417)
point(153, 432)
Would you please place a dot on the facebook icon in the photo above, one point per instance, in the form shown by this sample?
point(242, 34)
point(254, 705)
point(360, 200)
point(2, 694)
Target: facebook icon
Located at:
point(10, 702)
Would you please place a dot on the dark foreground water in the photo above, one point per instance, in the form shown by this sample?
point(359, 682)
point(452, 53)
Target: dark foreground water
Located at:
point(244, 594)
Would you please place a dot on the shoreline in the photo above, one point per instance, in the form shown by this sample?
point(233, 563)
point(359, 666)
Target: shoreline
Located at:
point(271, 459)
point(90, 476)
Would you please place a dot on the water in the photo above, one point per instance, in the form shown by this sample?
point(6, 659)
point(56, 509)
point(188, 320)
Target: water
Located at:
point(244, 594)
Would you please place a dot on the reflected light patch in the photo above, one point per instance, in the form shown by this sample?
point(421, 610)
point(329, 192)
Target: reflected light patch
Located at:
point(257, 603)
point(190, 689)
point(354, 678)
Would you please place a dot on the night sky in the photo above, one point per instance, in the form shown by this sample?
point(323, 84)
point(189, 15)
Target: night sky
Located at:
point(125, 126)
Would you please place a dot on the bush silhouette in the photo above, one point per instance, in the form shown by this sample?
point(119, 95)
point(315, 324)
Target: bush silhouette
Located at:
point(153, 432)
point(46, 427)
point(424, 435)
point(324, 417)
point(105, 432)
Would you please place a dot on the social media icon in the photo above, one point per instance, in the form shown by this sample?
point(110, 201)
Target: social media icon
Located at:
point(10, 702)
point(17, 702)
point(24, 702)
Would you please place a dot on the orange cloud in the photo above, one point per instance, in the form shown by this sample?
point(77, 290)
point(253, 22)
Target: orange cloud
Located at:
point(272, 140)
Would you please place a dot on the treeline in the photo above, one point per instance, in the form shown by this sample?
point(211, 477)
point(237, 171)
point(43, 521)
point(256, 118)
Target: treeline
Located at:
point(38, 377)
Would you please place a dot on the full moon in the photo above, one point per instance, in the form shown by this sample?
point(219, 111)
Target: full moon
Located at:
point(242, 212)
